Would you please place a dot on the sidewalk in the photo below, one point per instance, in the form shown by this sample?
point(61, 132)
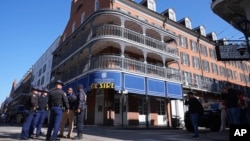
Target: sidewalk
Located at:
point(117, 133)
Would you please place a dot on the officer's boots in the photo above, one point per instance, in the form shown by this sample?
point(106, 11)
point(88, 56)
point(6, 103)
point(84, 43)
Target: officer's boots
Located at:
point(78, 137)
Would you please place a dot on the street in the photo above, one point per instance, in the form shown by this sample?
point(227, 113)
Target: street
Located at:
point(107, 133)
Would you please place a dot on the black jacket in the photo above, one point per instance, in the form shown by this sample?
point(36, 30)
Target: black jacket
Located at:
point(31, 101)
point(57, 97)
point(81, 102)
point(194, 106)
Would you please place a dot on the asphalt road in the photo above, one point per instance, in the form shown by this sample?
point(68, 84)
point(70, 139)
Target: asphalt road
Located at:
point(106, 133)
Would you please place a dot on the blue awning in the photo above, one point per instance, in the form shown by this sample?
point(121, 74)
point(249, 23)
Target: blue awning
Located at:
point(174, 90)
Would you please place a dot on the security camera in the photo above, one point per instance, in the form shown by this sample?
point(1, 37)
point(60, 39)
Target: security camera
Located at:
point(241, 49)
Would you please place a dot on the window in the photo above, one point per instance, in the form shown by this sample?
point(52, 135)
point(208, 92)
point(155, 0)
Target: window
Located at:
point(188, 23)
point(229, 74)
point(151, 5)
point(203, 50)
point(194, 46)
point(185, 59)
point(83, 17)
point(161, 107)
point(214, 68)
point(73, 27)
point(222, 71)
point(235, 75)
point(44, 68)
point(198, 79)
point(203, 32)
point(187, 76)
point(205, 64)
point(212, 53)
point(183, 41)
point(172, 15)
point(214, 36)
point(196, 62)
point(96, 5)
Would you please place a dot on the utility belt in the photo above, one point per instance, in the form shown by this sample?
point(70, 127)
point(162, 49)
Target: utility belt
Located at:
point(56, 105)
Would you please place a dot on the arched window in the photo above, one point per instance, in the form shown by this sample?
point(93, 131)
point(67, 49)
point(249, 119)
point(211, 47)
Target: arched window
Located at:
point(96, 5)
point(83, 17)
point(73, 27)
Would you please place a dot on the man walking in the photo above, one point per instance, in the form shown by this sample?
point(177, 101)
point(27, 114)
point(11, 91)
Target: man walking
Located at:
point(80, 110)
point(68, 116)
point(57, 100)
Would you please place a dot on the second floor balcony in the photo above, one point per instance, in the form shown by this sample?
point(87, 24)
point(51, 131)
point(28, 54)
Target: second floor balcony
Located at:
point(113, 62)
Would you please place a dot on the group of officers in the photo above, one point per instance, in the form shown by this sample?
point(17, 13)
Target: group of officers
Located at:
point(63, 107)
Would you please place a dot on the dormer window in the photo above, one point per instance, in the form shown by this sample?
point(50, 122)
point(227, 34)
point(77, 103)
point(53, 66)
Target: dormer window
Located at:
point(202, 30)
point(172, 15)
point(214, 36)
point(188, 23)
point(151, 5)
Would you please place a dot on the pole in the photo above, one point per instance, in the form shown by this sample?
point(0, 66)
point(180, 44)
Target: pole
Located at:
point(147, 108)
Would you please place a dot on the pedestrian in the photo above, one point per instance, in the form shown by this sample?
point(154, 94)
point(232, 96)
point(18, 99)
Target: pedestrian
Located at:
point(222, 107)
point(42, 110)
point(68, 116)
point(195, 110)
point(57, 101)
point(80, 111)
point(243, 108)
point(232, 104)
point(30, 107)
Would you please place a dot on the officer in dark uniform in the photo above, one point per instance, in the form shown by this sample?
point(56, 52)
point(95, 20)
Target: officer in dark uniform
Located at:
point(80, 110)
point(42, 111)
point(36, 115)
point(30, 107)
point(57, 101)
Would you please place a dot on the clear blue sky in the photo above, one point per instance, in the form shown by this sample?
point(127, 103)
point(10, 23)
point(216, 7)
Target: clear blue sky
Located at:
point(29, 27)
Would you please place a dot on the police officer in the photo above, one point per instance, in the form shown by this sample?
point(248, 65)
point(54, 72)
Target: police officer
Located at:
point(36, 115)
point(80, 110)
point(42, 111)
point(57, 100)
point(30, 107)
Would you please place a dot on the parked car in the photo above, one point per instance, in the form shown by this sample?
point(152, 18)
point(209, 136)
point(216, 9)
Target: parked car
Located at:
point(210, 119)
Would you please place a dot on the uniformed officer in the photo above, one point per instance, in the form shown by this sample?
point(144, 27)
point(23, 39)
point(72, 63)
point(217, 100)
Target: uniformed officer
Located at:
point(57, 100)
point(42, 111)
point(80, 110)
point(30, 107)
point(36, 115)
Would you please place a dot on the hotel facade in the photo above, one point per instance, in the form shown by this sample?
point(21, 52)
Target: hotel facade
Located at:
point(136, 65)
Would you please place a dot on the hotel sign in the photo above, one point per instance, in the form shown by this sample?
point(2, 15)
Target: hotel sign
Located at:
point(230, 53)
point(103, 85)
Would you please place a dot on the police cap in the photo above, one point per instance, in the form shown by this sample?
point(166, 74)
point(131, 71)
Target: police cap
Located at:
point(59, 82)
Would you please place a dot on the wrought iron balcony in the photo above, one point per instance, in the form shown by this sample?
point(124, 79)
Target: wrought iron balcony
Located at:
point(114, 31)
point(112, 62)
